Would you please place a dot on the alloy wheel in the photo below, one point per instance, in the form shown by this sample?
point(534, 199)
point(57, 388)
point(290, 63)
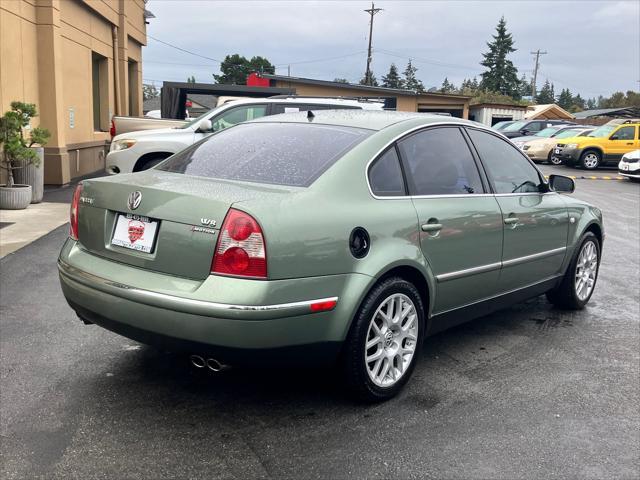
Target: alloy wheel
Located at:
point(586, 270)
point(391, 339)
point(591, 160)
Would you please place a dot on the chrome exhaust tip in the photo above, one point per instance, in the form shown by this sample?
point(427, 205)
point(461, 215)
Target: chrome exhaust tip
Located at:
point(216, 366)
point(197, 361)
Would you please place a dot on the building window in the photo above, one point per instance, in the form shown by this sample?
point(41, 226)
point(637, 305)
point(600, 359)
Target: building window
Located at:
point(134, 98)
point(99, 72)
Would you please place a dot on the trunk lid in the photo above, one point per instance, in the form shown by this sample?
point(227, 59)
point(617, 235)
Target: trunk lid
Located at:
point(189, 212)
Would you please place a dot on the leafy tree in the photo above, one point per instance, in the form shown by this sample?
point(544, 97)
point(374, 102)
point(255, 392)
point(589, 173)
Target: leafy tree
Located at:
point(235, 69)
point(341, 80)
point(369, 79)
point(411, 82)
point(565, 99)
point(619, 100)
point(447, 86)
point(261, 65)
point(547, 94)
point(392, 79)
point(149, 91)
point(501, 75)
point(578, 103)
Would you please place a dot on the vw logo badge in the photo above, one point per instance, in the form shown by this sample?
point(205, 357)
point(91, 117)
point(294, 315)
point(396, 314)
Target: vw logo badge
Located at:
point(134, 200)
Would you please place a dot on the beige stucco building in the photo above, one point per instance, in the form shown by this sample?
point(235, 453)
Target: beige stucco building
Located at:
point(80, 62)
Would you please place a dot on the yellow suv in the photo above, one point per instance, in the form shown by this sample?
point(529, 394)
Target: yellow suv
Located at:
point(604, 146)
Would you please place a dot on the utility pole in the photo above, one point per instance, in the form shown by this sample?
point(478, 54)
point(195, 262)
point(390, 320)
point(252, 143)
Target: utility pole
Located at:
point(535, 72)
point(371, 11)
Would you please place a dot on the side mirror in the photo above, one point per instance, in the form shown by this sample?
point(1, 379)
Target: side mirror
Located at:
point(560, 183)
point(524, 131)
point(204, 126)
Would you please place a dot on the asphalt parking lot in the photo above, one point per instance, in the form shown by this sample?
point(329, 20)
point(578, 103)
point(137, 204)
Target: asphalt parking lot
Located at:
point(529, 392)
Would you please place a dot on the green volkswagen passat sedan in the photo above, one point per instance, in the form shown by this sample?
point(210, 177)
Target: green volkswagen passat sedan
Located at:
point(334, 236)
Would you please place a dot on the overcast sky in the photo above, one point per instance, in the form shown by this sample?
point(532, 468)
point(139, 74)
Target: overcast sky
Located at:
point(593, 46)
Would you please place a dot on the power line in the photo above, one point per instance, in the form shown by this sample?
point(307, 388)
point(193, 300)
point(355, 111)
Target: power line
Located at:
point(425, 60)
point(317, 60)
point(183, 49)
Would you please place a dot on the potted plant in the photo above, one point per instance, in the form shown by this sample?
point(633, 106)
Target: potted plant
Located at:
point(18, 155)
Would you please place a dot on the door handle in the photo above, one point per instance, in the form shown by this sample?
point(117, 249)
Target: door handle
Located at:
point(431, 227)
point(511, 220)
point(629, 143)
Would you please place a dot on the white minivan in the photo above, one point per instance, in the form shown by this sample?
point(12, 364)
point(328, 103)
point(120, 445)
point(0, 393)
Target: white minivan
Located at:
point(137, 151)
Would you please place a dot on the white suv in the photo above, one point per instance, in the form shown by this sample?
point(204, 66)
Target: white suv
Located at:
point(136, 151)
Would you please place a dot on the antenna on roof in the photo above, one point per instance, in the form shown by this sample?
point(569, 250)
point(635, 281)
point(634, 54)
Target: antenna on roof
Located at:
point(310, 115)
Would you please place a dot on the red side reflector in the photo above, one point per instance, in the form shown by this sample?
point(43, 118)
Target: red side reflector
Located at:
point(323, 306)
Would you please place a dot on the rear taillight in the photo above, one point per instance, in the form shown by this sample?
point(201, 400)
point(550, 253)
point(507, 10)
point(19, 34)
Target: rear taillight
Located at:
point(73, 213)
point(112, 130)
point(240, 250)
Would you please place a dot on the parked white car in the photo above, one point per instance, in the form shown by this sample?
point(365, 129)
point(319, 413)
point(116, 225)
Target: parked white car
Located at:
point(629, 165)
point(137, 151)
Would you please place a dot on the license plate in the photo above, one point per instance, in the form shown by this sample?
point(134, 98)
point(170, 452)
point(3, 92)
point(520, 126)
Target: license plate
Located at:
point(557, 150)
point(135, 232)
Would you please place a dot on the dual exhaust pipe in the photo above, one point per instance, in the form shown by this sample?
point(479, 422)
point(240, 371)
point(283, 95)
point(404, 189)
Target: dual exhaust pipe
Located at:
point(211, 363)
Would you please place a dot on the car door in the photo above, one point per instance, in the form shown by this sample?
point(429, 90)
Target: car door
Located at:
point(621, 141)
point(535, 220)
point(460, 224)
point(233, 116)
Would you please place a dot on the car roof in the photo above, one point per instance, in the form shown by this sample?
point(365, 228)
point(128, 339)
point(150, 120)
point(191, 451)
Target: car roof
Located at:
point(369, 119)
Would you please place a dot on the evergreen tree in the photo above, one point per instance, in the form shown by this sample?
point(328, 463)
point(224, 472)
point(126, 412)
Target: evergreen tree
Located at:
point(392, 79)
point(592, 103)
point(565, 99)
point(525, 86)
point(447, 87)
point(191, 79)
point(370, 80)
point(579, 102)
point(340, 80)
point(475, 85)
point(501, 75)
point(411, 82)
point(546, 94)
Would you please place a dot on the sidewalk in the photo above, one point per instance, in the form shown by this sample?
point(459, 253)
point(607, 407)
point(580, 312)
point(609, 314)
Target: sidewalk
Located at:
point(21, 227)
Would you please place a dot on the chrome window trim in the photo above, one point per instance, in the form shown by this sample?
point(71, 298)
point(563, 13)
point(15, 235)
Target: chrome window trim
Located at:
point(187, 305)
point(506, 292)
point(462, 195)
point(444, 277)
point(409, 132)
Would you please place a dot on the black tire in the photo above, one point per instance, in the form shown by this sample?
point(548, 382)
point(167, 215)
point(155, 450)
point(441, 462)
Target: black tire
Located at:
point(149, 162)
point(590, 159)
point(557, 161)
point(353, 363)
point(565, 295)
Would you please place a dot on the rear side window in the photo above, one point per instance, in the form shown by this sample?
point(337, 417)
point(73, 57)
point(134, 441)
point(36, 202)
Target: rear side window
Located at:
point(292, 154)
point(385, 175)
point(438, 162)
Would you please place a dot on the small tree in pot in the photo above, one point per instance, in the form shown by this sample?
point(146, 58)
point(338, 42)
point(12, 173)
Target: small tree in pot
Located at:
point(17, 152)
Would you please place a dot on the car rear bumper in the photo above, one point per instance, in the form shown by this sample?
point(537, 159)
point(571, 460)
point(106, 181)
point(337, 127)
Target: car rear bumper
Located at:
point(275, 318)
point(538, 155)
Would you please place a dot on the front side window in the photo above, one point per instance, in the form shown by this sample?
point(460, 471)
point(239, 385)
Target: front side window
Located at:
point(294, 154)
point(624, 133)
point(438, 162)
point(385, 175)
point(509, 170)
point(238, 115)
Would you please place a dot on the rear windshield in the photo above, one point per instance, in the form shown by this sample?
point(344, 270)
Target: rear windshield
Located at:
point(292, 154)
